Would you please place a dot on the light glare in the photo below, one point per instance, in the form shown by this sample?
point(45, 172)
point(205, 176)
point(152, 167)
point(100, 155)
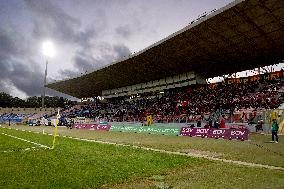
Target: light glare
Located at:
point(48, 49)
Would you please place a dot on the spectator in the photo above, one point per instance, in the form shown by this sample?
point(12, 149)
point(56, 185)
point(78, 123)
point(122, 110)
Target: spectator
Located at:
point(274, 130)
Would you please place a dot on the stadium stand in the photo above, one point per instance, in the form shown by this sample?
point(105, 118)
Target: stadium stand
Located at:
point(209, 103)
point(168, 79)
point(244, 35)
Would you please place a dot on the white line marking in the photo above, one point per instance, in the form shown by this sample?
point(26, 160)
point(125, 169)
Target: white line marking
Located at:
point(24, 150)
point(187, 154)
point(40, 145)
point(179, 153)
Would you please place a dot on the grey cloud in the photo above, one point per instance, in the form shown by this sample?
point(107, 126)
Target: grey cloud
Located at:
point(52, 21)
point(84, 62)
point(25, 78)
point(121, 51)
point(17, 69)
point(6, 45)
point(123, 31)
point(68, 73)
point(84, 38)
point(4, 87)
point(9, 45)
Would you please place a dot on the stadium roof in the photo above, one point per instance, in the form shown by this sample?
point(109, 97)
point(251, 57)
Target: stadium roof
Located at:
point(240, 36)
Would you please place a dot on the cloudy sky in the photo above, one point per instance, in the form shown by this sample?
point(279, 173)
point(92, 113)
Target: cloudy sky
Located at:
point(87, 34)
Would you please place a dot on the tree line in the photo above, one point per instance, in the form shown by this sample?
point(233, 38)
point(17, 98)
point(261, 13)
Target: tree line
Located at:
point(7, 101)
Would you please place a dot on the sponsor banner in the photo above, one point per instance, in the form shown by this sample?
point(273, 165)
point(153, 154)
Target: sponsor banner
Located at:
point(239, 134)
point(187, 131)
point(254, 78)
point(217, 133)
point(261, 77)
point(146, 129)
point(95, 126)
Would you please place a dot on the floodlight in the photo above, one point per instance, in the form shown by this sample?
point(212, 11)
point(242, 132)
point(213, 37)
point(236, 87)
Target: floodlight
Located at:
point(48, 49)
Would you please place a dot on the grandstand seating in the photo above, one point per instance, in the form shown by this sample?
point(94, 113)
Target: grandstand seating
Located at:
point(178, 104)
point(20, 115)
point(27, 110)
point(187, 103)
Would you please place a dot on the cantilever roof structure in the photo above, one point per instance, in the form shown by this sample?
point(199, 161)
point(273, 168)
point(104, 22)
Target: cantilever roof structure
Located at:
point(243, 35)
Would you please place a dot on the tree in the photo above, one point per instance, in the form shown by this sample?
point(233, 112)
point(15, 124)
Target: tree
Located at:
point(5, 100)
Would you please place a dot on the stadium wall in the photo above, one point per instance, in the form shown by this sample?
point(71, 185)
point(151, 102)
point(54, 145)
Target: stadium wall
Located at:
point(181, 80)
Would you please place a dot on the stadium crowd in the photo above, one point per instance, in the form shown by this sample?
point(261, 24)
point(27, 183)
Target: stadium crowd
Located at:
point(210, 103)
point(197, 102)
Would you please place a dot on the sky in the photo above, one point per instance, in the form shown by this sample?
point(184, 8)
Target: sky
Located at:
point(87, 35)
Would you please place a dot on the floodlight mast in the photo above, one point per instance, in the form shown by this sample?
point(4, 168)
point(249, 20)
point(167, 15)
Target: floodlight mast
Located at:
point(44, 83)
point(48, 51)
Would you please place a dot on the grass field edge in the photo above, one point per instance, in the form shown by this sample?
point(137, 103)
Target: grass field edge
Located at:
point(194, 155)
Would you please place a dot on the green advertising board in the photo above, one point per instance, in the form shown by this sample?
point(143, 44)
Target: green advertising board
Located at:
point(147, 129)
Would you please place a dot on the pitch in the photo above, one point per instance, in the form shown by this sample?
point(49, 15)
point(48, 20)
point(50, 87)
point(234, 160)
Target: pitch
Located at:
point(80, 159)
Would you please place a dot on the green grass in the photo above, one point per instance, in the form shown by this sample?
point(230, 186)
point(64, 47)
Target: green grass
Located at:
point(257, 150)
point(8, 143)
point(79, 164)
point(209, 175)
